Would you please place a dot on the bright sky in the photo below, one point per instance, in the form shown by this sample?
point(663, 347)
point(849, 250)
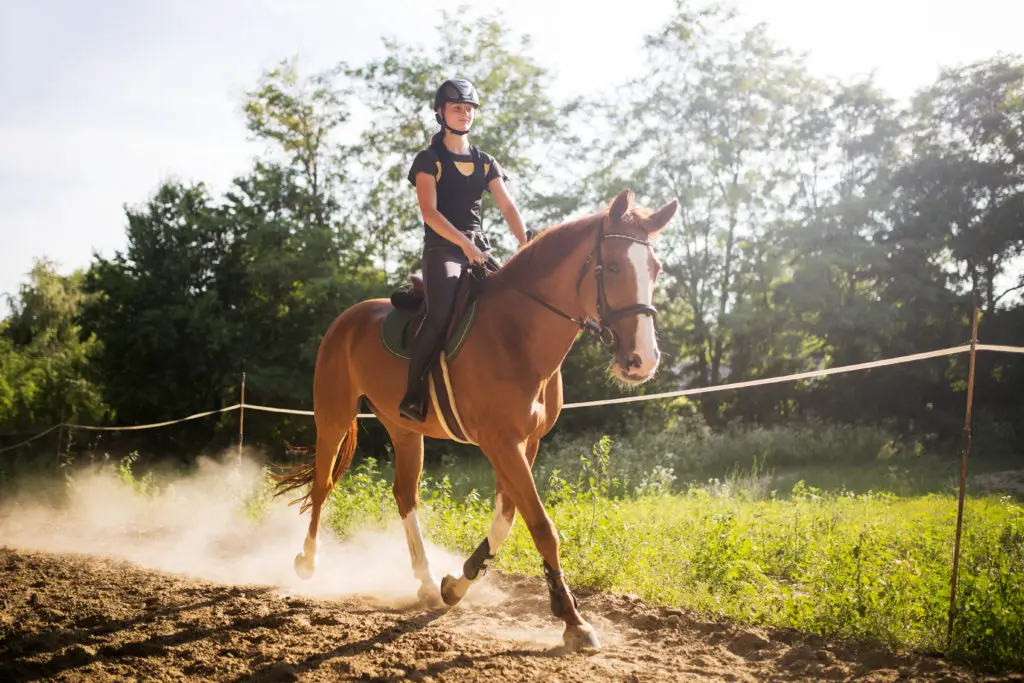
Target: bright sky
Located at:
point(101, 101)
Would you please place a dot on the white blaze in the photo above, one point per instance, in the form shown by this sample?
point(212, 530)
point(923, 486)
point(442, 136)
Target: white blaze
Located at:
point(646, 348)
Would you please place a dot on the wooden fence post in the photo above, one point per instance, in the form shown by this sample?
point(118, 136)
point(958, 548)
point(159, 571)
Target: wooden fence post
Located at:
point(963, 480)
point(241, 420)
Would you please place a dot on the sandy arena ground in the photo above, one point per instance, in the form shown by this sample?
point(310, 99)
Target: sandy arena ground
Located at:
point(181, 587)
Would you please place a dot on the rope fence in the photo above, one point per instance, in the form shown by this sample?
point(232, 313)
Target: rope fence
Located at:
point(812, 374)
point(31, 438)
point(155, 424)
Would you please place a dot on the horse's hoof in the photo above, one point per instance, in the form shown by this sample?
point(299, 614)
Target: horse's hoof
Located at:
point(429, 595)
point(303, 567)
point(580, 637)
point(448, 593)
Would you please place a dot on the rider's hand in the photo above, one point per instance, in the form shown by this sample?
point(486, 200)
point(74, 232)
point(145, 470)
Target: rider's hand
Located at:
point(473, 253)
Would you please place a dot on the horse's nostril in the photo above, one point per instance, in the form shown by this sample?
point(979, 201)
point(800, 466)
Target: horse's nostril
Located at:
point(633, 360)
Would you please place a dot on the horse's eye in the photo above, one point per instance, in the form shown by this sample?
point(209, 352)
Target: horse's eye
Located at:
point(613, 268)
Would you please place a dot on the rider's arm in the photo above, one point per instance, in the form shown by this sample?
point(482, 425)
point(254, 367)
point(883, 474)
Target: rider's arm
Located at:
point(508, 209)
point(426, 193)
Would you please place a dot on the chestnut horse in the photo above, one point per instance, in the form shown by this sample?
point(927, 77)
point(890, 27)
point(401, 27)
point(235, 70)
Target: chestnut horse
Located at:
point(506, 380)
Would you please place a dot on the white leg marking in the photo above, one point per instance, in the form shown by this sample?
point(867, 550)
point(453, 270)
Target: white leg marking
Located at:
point(430, 590)
point(459, 584)
point(499, 528)
point(311, 547)
point(414, 537)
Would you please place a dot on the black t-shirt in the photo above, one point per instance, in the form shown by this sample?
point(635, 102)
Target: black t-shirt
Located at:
point(461, 181)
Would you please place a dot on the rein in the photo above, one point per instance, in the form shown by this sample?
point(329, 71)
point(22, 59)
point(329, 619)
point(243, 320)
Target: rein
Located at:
point(606, 315)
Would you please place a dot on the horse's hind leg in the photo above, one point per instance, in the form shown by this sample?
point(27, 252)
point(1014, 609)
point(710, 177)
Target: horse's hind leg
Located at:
point(334, 450)
point(408, 467)
point(453, 588)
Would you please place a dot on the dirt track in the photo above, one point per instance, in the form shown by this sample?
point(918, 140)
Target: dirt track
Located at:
point(179, 585)
point(74, 617)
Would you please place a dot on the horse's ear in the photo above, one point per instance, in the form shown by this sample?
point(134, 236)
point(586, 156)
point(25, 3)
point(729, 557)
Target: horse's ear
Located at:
point(660, 218)
point(621, 204)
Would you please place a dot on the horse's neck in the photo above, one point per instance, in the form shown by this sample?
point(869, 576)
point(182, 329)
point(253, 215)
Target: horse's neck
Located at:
point(545, 336)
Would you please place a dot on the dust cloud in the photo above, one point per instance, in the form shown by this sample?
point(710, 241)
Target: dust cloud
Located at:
point(198, 526)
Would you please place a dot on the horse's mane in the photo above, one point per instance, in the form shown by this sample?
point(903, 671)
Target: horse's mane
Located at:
point(549, 248)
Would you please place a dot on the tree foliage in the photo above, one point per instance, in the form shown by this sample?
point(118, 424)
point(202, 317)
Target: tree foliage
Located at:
point(821, 223)
point(45, 372)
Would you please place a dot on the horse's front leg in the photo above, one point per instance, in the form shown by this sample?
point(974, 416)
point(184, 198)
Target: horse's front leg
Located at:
point(513, 468)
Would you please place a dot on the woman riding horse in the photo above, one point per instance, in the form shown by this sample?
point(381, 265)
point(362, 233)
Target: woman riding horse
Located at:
point(595, 273)
point(450, 178)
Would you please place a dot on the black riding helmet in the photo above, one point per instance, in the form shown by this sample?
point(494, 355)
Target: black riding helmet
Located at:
point(454, 90)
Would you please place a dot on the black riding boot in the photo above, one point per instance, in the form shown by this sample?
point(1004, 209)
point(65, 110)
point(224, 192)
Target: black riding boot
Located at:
point(414, 403)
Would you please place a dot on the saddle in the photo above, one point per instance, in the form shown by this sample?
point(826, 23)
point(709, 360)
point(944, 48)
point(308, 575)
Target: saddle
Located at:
point(409, 302)
point(411, 296)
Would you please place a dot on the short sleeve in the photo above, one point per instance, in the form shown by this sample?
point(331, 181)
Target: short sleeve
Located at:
point(492, 170)
point(425, 162)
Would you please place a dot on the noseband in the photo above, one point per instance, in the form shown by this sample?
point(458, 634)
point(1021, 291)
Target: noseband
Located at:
point(606, 315)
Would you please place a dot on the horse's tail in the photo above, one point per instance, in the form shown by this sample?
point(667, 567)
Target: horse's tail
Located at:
point(297, 476)
point(345, 453)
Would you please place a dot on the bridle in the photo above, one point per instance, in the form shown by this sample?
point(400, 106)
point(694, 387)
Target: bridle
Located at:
point(606, 315)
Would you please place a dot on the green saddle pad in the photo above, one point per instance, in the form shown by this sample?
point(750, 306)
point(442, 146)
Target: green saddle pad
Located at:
point(396, 332)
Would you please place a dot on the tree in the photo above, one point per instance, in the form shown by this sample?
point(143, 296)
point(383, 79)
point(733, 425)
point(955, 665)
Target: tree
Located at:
point(167, 336)
point(963, 188)
point(819, 225)
point(299, 116)
point(297, 260)
point(44, 356)
point(711, 128)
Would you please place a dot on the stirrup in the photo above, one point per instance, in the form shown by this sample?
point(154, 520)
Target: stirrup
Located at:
point(411, 410)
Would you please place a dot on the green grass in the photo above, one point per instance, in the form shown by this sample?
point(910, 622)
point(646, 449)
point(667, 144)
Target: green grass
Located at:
point(685, 453)
point(874, 566)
